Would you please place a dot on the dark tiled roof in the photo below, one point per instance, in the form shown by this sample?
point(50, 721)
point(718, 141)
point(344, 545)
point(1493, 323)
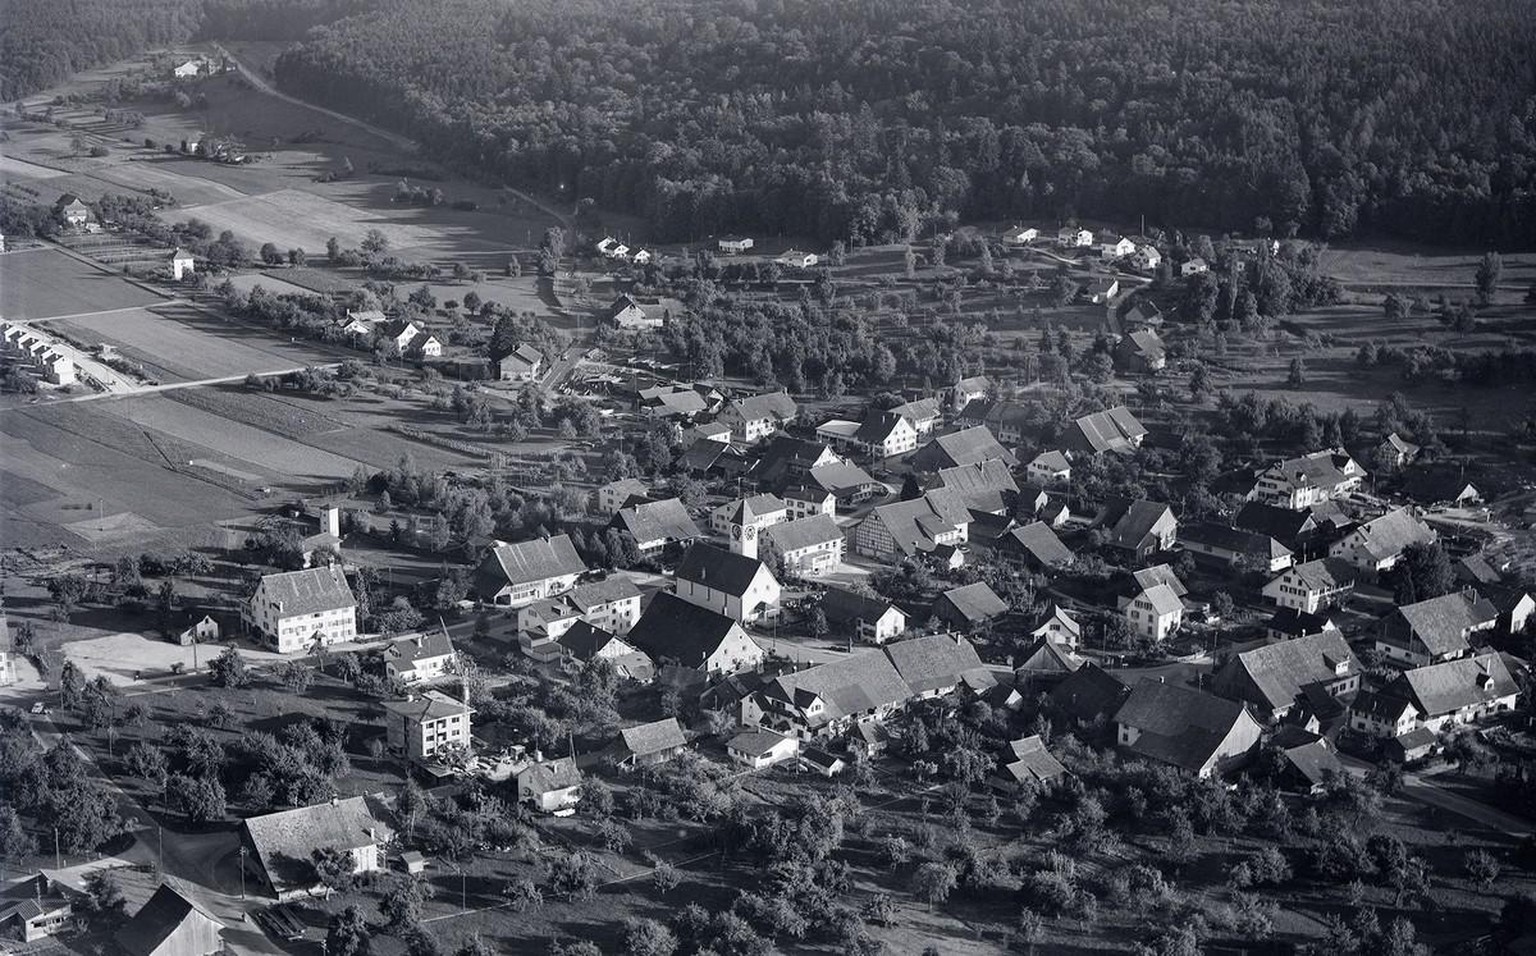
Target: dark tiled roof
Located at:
point(1088, 692)
point(285, 841)
point(1388, 535)
point(154, 923)
point(1114, 429)
point(775, 405)
point(666, 519)
point(654, 737)
point(973, 603)
point(1046, 658)
point(673, 629)
point(528, 561)
point(847, 687)
point(841, 605)
point(1443, 688)
point(1273, 676)
point(1031, 760)
point(718, 569)
point(1281, 523)
point(309, 591)
point(804, 532)
point(965, 447)
point(584, 640)
point(1235, 540)
point(1039, 542)
point(1443, 623)
point(929, 663)
point(1179, 725)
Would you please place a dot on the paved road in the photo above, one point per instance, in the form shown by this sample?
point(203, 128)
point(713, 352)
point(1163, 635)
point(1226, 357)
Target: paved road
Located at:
point(1424, 788)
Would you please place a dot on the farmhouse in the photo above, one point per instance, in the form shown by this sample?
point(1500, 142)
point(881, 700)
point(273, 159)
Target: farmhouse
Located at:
point(1009, 422)
point(1114, 429)
point(1440, 487)
point(740, 587)
point(968, 390)
point(1302, 482)
point(1141, 351)
point(1235, 546)
point(296, 610)
point(674, 631)
point(1185, 728)
point(1043, 663)
point(649, 744)
point(523, 364)
point(1146, 258)
point(913, 527)
point(171, 924)
point(35, 909)
point(807, 500)
point(611, 497)
point(936, 666)
point(986, 486)
point(806, 546)
point(1458, 692)
point(280, 846)
point(1154, 612)
point(1141, 528)
point(884, 435)
point(73, 211)
point(849, 485)
point(516, 574)
point(1308, 761)
point(652, 526)
point(424, 727)
point(965, 447)
point(626, 313)
point(756, 417)
point(873, 619)
point(969, 607)
point(203, 629)
point(1396, 451)
point(1312, 586)
point(1436, 630)
point(922, 414)
point(584, 641)
point(1376, 545)
point(826, 700)
point(188, 69)
point(1049, 469)
point(1288, 623)
point(1089, 695)
point(427, 656)
point(1020, 236)
point(1275, 678)
point(787, 459)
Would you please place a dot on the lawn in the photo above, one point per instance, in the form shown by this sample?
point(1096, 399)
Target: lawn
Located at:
point(44, 283)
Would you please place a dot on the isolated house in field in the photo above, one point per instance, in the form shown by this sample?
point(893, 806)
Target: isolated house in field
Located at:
point(296, 610)
point(1194, 267)
point(73, 211)
point(171, 924)
point(523, 364)
point(189, 69)
point(1020, 236)
point(423, 728)
point(1114, 429)
point(280, 846)
point(1308, 480)
point(735, 585)
point(795, 259)
point(965, 447)
point(649, 744)
point(908, 528)
point(183, 263)
point(1318, 671)
point(1186, 728)
point(1049, 469)
point(427, 656)
point(756, 417)
point(1142, 352)
point(1377, 545)
point(969, 607)
point(625, 313)
point(516, 574)
point(1312, 585)
point(584, 642)
point(550, 785)
point(653, 526)
point(1436, 630)
point(806, 546)
point(735, 245)
point(1458, 692)
point(870, 618)
point(676, 632)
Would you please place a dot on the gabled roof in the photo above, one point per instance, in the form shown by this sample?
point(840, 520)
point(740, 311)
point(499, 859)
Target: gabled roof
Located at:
point(1274, 676)
point(1383, 706)
point(528, 561)
point(704, 453)
point(929, 663)
point(1444, 688)
point(559, 773)
point(921, 410)
point(1179, 725)
point(1040, 542)
point(430, 644)
point(666, 519)
point(1031, 761)
point(1131, 522)
point(1059, 616)
point(1319, 469)
point(755, 743)
point(1442, 623)
point(653, 738)
point(620, 305)
point(775, 405)
point(982, 476)
point(1388, 535)
point(850, 686)
point(1088, 692)
point(1046, 658)
point(1294, 622)
point(1145, 343)
point(1159, 574)
point(842, 605)
point(285, 841)
point(753, 507)
point(1324, 574)
point(975, 602)
point(584, 640)
point(806, 532)
point(1114, 429)
point(1433, 485)
point(1475, 568)
point(1052, 460)
point(673, 629)
point(433, 705)
point(1313, 760)
point(718, 569)
point(913, 524)
point(615, 587)
point(1163, 599)
point(309, 591)
point(965, 447)
point(1233, 539)
point(842, 478)
point(877, 426)
point(677, 400)
point(154, 923)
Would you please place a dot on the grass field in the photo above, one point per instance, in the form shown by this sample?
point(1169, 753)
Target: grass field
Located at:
point(291, 218)
point(43, 283)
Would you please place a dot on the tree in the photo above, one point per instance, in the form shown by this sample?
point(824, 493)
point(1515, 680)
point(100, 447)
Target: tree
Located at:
point(229, 669)
point(15, 841)
point(665, 877)
point(375, 243)
point(271, 254)
point(295, 675)
point(1489, 270)
point(1482, 868)
point(200, 798)
point(402, 901)
point(348, 934)
point(1297, 376)
point(933, 882)
point(103, 894)
point(333, 867)
point(646, 937)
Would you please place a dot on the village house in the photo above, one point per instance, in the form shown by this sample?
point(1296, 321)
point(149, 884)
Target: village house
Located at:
point(804, 501)
point(1458, 692)
point(785, 459)
point(756, 749)
point(188, 69)
point(1312, 586)
point(870, 618)
point(361, 325)
point(549, 786)
point(968, 607)
point(1186, 728)
point(1112, 246)
point(1060, 628)
point(795, 259)
point(523, 364)
point(756, 417)
point(1320, 672)
point(280, 846)
point(1026, 759)
point(35, 909)
point(743, 520)
point(1142, 314)
point(1074, 237)
point(642, 257)
point(922, 414)
point(1155, 612)
point(1288, 623)
point(653, 526)
point(677, 403)
point(625, 313)
point(1234, 546)
point(1044, 663)
point(646, 745)
point(1140, 528)
point(968, 390)
point(676, 632)
point(73, 211)
point(1034, 547)
point(1305, 481)
point(296, 610)
point(516, 574)
point(985, 486)
point(1049, 469)
point(1020, 236)
point(171, 923)
point(735, 245)
point(1089, 696)
point(1100, 290)
point(1009, 422)
point(907, 528)
point(740, 587)
point(612, 603)
point(1396, 451)
point(884, 435)
point(611, 497)
point(1377, 545)
point(938, 665)
point(1193, 267)
point(1114, 429)
point(849, 485)
point(427, 656)
point(1436, 630)
point(1382, 715)
point(965, 447)
point(423, 728)
point(1308, 762)
point(1146, 258)
point(584, 641)
point(1141, 352)
point(203, 629)
point(806, 546)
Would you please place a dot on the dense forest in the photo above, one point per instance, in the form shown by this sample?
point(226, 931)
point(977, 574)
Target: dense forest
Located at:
point(873, 119)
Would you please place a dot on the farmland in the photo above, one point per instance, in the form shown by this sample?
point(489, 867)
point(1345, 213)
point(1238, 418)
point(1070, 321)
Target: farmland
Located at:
point(44, 283)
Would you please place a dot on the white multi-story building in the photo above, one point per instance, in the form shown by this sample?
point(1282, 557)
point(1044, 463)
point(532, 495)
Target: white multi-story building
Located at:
point(422, 727)
point(296, 610)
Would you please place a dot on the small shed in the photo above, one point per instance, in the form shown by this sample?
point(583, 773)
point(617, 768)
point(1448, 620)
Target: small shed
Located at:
point(413, 861)
point(200, 630)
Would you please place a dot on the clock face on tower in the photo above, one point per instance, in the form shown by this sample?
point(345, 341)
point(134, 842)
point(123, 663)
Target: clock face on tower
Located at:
point(736, 531)
point(749, 533)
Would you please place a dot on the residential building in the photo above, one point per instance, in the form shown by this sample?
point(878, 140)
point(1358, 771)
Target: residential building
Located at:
point(1142, 314)
point(1115, 247)
point(789, 460)
point(870, 618)
point(1074, 237)
point(653, 526)
point(1020, 236)
point(1305, 481)
point(202, 629)
point(427, 727)
point(1089, 695)
point(1383, 715)
point(1458, 692)
point(1146, 258)
point(1027, 760)
point(1308, 762)
point(516, 574)
point(625, 313)
point(735, 245)
point(1375, 546)
point(968, 390)
point(1034, 547)
point(969, 607)
point(1186, 728)
point(673, 631)
point(611, 497)
point(1154, 612)
point(187, 69)
point(649, 744)
point(1114, 429)
point(584, 641)
point(1436, 630)
point(986, 486)
point(848, 484)
point(171, 924)
point(795, 259)
point(549, 786)
point(1141, 352)
point(427, 656)
point(757, 749)
point(965, 447)
point(1141, 528)
point(676, 403)
point(1275, 678)
point(740, 587)
point(938, 665)
point(1009, 422)
point(280, 846)
point(912, 527)
point(1234, 546)
point(1289, 623)
point(742, 521)
point(523, 364)
point(612, 603)
point(805, 501)
point(183, 263)
point(397, 335)
point(1101, 290)
point(1193, 267)
point(73, 210)
point(884, 435)
point(296, 610)
point(1049, 469)
point(1044, 663)
point(1060, 628)
point(1396, 451)
point(1312, 585)
point(923, 414)
point(806, 546)
point(756, 417)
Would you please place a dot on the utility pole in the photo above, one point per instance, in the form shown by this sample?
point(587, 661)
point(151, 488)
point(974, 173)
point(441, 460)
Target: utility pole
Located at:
point(242, 871)
point(58, 859)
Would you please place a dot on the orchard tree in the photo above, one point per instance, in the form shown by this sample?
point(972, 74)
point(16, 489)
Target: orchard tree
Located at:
point(229, 669)
point(1489, 270)
point(933, 882)
point(349, 934)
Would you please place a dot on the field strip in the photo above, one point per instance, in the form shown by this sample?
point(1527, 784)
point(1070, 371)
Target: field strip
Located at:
point(91, 315)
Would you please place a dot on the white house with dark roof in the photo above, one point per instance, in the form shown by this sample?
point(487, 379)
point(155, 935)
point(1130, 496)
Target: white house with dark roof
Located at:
point(1141, 528)
point(1436, 630)
point(1308, 480)
point(183, 263)
point(550, 785)
point(1074, 237)
point(676, 632)
point(295, 610)
point(1312, 585)
point(280, 846)
point(1275, 678)
point(756, 417)
point(1049, 469)
point(1020, 236)
point(806, 546)
point(516, 574)
point(871, 618)
point(884, 434)
point(968, 390)
point(625, 313)
point(523, 364)
point(1234, 546)
point(1060, 628)
point(1155, 612)
point(611, 497)
point(612, 603)
point(652, 526)
point(584, 642)
point(423, 728)
point(1186, 728)
point(427, 656)
point(1377, 545)
point(1459, 691)
point(735, 585)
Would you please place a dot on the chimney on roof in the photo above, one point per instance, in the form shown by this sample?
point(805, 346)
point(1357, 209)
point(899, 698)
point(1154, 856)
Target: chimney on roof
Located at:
point(538, 756)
